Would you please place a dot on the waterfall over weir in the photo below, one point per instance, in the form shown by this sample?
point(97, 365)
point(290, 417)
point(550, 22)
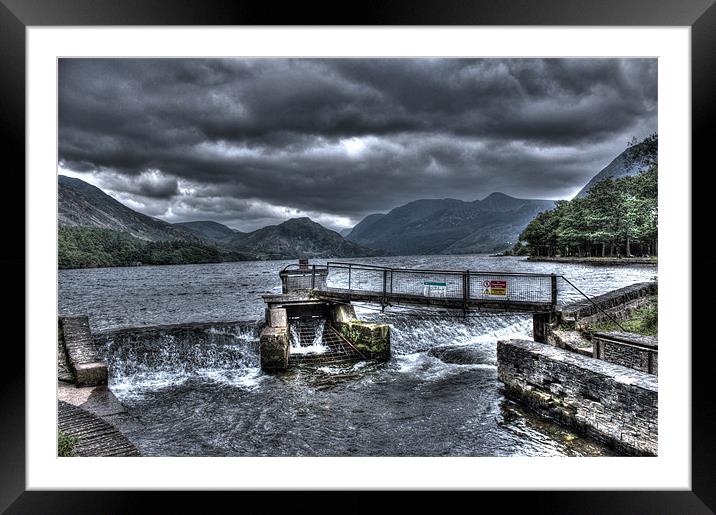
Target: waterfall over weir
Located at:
point(314, 341)
point(198, 390)
point(307, 336)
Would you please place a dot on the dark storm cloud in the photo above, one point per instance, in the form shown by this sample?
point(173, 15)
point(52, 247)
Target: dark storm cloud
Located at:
point(256, 141)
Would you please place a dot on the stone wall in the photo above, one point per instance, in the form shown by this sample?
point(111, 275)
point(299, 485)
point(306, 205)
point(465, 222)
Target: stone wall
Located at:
point(618, 303)
point(608, 402)
point(627, 349)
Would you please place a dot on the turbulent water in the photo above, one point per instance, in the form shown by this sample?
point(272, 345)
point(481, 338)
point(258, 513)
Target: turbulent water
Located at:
point(437, 396)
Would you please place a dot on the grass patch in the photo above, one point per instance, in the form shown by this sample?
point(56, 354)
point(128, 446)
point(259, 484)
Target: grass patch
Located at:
point(644, 320)
point(65, 445)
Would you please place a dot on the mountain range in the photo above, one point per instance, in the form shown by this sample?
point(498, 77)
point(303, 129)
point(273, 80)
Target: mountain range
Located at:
point(82, 205)
point(449, 226)
point(426, 226)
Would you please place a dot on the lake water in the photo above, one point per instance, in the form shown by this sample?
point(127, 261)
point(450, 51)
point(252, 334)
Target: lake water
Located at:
point(438, 395)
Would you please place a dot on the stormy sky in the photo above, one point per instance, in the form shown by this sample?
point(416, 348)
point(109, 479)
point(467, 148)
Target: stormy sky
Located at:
point(253, 142)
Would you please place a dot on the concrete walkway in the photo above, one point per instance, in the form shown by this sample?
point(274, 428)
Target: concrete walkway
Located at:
point(96, 437)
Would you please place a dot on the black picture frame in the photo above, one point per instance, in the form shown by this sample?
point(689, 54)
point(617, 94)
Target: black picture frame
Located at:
point(17, 15)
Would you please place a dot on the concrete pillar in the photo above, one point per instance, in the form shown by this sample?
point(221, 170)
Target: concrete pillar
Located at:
point(540, 326)
point(276, 317)
point(373, 340)
point(342, 313)
point(273, 347)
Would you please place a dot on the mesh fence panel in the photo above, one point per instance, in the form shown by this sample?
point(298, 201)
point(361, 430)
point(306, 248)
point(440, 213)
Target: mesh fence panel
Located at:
point(426, 284)
point(532, 288)
point(511, 288)
point(298, 281)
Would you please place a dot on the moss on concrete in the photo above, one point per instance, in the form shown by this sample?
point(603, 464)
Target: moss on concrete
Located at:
point(372, 339)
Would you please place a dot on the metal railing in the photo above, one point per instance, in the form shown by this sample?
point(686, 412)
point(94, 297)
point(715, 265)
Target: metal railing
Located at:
point(385, 283)
point(465, 285)
point(298, 277)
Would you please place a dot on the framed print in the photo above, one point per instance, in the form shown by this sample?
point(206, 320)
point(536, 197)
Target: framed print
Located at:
point(417, 248)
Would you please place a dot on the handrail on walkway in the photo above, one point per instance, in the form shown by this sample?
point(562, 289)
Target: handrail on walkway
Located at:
point(393, 282)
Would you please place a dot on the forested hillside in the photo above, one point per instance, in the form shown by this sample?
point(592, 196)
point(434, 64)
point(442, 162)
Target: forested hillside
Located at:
point(619, 217)
point(89, 247)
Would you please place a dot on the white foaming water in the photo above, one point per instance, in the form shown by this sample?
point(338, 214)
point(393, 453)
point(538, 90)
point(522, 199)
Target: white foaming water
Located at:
point(441, 378)
point(242, 334)
point(138, 386)
point(316, 346)
point(411, 334)
point(309, 349)
point(139, 369)
point(247, 378)
point(430, 368)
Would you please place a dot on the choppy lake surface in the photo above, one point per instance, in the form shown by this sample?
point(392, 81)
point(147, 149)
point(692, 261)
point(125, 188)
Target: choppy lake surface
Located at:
point(437, 396)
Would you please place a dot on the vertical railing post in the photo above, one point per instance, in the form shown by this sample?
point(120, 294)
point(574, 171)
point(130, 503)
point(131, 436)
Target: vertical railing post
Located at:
point(313, 277)
point(554, 290)
point(466, 289)
point(385, 286)
point(349, 283)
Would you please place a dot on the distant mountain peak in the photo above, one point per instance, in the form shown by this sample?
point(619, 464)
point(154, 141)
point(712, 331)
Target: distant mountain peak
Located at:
point(497, 195)
point(298, 238)
point(209, 230)
point(301, 220)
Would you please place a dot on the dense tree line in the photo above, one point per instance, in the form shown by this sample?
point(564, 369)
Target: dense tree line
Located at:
point(618, 217)
point(85, 247)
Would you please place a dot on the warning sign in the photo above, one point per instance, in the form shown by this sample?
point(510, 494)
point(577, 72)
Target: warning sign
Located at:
point(494, 288)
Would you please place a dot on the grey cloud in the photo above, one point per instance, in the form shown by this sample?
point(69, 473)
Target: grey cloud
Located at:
point(247, 140)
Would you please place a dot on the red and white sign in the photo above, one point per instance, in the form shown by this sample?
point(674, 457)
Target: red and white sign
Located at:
point(494, 287)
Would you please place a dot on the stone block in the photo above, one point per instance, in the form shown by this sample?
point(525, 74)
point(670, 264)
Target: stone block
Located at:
point(90, 374)
point(273, 347)
point(371, 339)
point(276, 317)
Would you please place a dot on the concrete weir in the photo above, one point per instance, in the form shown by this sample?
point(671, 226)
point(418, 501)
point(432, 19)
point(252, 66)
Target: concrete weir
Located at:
point(362, 339)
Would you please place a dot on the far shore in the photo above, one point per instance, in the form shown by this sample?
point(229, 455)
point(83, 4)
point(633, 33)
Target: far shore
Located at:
point(598, 260)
